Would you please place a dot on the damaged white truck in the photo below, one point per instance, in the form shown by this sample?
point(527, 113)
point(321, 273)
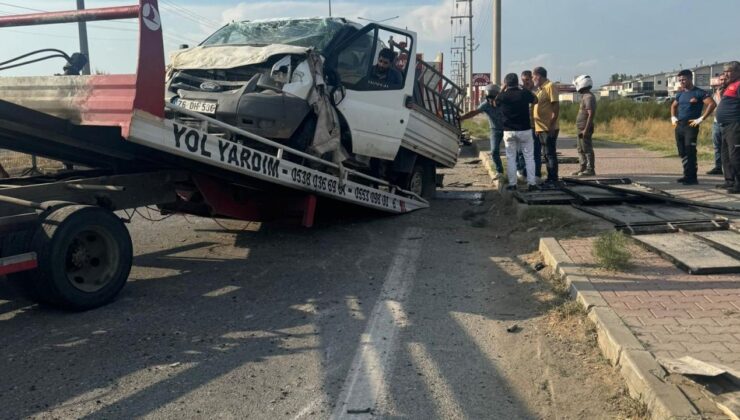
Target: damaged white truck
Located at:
point(357, 95)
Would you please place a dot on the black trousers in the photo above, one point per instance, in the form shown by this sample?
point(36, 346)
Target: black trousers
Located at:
point(731, 152)
point(548, 140)
point(686, 137)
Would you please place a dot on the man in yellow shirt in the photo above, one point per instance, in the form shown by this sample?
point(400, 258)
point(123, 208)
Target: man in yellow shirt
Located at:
point(546, 126)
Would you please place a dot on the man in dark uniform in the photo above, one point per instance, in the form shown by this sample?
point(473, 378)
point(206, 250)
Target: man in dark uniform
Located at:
point(728, 117)
point(686, 115)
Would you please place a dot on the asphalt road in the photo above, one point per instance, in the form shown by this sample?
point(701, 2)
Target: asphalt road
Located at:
point(362, 316)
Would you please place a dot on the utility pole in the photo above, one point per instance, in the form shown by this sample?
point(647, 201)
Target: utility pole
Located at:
point(82, 27)
point(469, 73)
point(464, 54)
point(329, 8)
point(496, 68)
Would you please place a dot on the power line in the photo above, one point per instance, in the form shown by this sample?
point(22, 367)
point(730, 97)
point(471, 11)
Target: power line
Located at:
point(172, 5)
point(191, 16)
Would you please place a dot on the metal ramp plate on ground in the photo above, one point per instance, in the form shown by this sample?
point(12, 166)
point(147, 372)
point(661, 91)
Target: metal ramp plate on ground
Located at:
point(546, 197)
point(622, 214)
point(690, 253)
point(674, 213)
point(594, 195)
point(725, 240)
point(655, 218)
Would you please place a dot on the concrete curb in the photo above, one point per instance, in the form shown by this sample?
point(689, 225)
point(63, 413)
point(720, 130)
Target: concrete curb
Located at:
point(485, 157)
point(645, 378)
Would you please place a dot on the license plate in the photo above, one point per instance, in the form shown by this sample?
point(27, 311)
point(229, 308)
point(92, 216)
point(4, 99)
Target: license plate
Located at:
point(204, 107)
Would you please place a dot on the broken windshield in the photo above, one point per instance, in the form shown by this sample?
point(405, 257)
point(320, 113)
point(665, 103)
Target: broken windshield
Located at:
point(313, 33)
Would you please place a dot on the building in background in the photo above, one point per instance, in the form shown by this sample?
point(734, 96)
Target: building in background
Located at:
point(610, 90)
point(480, 80)
point(567, 92)
point(666, 84)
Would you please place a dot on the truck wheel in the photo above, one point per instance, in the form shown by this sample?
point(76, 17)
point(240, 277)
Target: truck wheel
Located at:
point(84, 255)
point(422, 180)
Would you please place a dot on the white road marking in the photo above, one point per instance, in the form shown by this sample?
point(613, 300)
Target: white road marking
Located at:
point(445, 402)
point(367, 381)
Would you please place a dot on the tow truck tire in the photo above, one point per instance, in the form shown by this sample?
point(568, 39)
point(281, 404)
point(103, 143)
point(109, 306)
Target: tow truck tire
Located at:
point(423, 179)
point(84, 257)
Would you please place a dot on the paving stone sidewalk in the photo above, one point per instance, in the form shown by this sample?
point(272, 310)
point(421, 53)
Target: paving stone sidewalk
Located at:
point(672, 313)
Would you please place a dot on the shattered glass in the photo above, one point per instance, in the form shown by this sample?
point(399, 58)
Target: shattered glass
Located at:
point(314, 33)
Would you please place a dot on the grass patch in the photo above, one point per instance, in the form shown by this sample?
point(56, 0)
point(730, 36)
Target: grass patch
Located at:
point(566, 318)
point(477, 127)
point(610, 250)
point(628, 407)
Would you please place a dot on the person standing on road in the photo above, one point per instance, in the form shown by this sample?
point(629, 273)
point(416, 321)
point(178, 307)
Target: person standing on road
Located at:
point(686, 116)
point(527, 83)
point(716, 130)
point(514, 103)
point(728, 116)
point(494, 120)
point(585, 126)
point(546, 115)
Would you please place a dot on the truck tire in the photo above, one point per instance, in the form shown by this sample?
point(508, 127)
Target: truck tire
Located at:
point(84, 257)
point(423, 179)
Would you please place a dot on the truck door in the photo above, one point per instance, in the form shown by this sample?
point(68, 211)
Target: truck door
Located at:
point(377, 84)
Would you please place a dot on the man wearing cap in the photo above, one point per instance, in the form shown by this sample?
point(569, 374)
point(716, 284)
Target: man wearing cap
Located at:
point(494, 120)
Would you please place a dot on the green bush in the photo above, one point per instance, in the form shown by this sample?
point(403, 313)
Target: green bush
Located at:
point(610, 250)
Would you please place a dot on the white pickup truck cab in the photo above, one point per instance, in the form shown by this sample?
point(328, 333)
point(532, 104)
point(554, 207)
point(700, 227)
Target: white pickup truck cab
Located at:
point(314, 84)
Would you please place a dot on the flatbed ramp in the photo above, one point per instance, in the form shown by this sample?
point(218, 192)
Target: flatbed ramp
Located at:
point(320, 177)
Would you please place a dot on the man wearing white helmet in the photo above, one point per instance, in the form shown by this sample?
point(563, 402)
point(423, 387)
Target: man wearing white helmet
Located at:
point(585, 125)
point(494, 120)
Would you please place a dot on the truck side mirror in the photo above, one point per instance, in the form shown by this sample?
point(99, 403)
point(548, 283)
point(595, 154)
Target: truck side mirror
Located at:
point(337, 94)
point(281, 70)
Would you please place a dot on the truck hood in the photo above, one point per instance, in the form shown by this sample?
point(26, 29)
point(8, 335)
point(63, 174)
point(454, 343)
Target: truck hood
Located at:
point(229, 56)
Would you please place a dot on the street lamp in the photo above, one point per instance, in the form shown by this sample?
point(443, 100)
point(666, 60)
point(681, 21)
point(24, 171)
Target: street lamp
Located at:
point(377, 21)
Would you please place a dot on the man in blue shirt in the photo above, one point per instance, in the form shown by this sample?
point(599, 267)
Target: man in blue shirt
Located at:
point(686, 115)
point(494, 120)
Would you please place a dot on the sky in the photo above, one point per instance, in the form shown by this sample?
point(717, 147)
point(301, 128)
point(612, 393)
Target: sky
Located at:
point(568, 37)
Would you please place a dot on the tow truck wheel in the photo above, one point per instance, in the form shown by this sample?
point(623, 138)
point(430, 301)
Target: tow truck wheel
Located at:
point(84, 257)
point(422, 180)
